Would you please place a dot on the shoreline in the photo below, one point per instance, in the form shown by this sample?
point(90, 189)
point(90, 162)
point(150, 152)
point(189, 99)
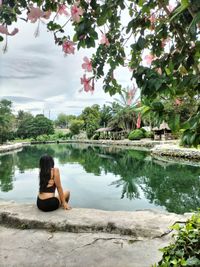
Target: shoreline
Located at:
point(163, 150)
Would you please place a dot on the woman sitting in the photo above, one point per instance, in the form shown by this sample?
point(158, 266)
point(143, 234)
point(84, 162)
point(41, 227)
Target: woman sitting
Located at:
point(49, 181)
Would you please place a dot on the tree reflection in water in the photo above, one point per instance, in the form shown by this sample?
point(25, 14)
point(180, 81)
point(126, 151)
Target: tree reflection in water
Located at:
point(174, 186)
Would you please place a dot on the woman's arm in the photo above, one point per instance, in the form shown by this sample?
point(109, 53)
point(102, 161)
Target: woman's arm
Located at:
point(59, 188)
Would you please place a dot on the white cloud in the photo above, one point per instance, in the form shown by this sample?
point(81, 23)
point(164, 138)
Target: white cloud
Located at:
point(35, 69)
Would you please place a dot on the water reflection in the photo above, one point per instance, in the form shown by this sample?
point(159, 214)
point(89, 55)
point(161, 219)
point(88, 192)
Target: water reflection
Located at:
point(173, 186)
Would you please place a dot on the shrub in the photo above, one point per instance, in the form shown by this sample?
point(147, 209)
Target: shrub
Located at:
point(76, 126)
point(136, 135)
point(149, 134)
point(143, 130)
point(186, 249)
point(42, 138)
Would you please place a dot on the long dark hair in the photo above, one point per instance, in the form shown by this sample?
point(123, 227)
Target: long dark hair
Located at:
point(46, 164)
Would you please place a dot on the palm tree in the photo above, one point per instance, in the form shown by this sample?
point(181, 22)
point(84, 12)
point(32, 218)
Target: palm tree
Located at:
point(124, 113)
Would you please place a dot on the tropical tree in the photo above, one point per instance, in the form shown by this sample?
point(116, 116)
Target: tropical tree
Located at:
point(76, 126)
point(63, 120)
point(105, 115)
point(158, 42)
point(91, 117)
point(35, 126)
point(124, 109)
point(6, 120)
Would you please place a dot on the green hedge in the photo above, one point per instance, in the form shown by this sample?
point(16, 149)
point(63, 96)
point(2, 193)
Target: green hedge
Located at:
point(53, 137)
point(136, 134)
point(186, 249)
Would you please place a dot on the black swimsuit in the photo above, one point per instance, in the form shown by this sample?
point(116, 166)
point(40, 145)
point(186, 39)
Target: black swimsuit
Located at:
point(48, 204)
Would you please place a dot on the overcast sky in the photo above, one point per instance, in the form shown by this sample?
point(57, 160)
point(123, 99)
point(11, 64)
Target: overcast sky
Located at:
point(37, 77)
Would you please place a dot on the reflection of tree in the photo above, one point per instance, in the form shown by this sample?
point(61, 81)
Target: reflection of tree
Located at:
point(29, 157)
point(174, 186)
point(6, 172)
point(177, 187)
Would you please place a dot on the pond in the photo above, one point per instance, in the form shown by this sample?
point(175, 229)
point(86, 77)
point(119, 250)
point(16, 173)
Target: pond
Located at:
point(102, 177)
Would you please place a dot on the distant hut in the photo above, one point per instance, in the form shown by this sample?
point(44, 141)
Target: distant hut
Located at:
point(114, 133)
point(163, 132)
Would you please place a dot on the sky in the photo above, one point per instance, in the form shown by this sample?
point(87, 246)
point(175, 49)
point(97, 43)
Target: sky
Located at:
point(37, 77)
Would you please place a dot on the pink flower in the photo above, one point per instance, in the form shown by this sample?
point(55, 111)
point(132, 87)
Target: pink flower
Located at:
point(149, 58)
point(62, 10)
point(76, 13)
point(152, 20)
point(0, 2)
point(34, 14)
point(104, 40)
point(68, 47)
point(87, 65)
point(138, 124)
point(86, 84)
point(4, 30)
point(178, 102)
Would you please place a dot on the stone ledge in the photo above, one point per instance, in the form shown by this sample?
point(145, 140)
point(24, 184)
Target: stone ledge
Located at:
point(139, 224)
point(11, 147)
point(176, 151)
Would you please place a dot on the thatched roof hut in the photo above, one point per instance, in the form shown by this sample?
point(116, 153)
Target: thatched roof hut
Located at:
point(163, 132)
point(100, 130)
point(163, 126)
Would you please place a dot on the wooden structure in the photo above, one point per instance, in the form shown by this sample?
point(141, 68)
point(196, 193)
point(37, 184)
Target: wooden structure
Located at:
point(163, 132)
point(111, 133)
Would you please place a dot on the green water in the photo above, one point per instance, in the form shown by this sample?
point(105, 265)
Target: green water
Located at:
point(104, 178)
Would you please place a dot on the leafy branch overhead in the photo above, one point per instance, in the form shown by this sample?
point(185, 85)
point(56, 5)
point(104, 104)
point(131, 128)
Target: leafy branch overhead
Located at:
point(157, 42)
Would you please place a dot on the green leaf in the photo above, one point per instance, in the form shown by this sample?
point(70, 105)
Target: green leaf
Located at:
point(193, 261)
point(184, 5)
point(141, 42)
point(195, 21)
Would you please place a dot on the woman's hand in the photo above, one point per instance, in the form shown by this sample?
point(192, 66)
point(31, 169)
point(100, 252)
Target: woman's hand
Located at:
point(66, 206)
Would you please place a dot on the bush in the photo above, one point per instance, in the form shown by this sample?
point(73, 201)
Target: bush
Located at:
point(143, 130)
point(149, 134)
point(42, 138)
point(186, 249)
point(136, 135)
point(53, 137)
point(76, 126)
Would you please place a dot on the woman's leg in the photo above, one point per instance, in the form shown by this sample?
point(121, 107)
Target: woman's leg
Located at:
point(66, 196)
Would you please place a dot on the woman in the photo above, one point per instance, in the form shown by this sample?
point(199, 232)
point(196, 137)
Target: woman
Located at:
point(49, 181)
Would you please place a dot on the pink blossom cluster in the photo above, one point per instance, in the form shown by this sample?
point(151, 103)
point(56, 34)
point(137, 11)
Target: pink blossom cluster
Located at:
point(68, 47)
point(36, 13)
point(149, 58)
point(76, 13)
point(4, 30)
point(86, 83)
point(87, 66)
point(104, 40)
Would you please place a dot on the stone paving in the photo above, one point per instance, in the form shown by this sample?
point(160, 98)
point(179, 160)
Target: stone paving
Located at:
point(82, 237)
